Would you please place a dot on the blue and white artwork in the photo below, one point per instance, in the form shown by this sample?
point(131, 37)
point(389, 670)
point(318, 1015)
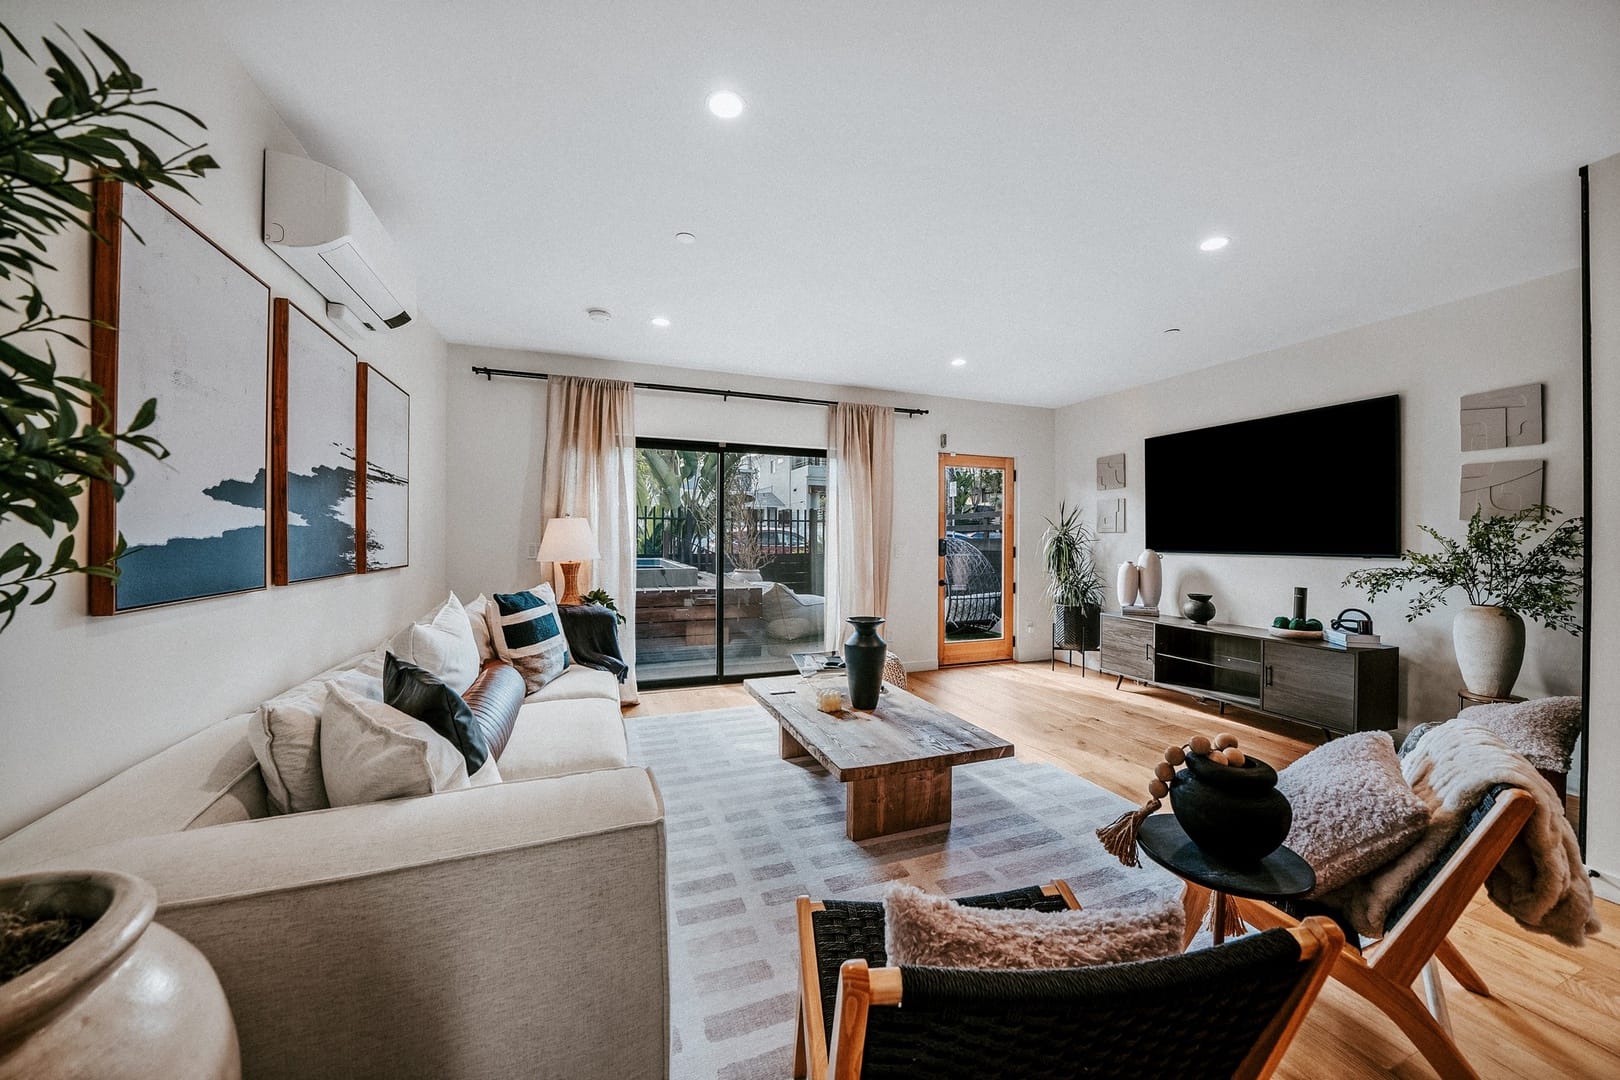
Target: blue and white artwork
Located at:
point(315, 430)
point(192, 327)
point(387, 485)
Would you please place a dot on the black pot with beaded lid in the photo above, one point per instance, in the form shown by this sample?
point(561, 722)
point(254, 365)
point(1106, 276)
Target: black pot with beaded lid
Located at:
point(1233, 812)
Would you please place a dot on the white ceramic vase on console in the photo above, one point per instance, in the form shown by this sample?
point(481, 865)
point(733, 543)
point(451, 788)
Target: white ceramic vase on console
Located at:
point(1150, 576)
point(1127, 583)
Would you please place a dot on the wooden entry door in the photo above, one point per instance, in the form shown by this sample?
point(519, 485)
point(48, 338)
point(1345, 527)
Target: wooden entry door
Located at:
point(976, 587)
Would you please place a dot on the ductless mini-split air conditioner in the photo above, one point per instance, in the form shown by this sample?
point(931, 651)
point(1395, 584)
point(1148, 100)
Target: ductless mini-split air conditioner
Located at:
point(320, 225)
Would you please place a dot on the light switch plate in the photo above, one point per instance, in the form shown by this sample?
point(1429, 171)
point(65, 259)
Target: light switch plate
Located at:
point(532, 551)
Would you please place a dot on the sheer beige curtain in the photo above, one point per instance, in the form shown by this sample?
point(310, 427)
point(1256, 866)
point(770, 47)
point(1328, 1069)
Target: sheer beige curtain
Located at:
point(590, 472)
point(860, 476)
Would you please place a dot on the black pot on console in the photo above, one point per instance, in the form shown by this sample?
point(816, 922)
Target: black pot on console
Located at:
point(1234, 813)
point(863, 657)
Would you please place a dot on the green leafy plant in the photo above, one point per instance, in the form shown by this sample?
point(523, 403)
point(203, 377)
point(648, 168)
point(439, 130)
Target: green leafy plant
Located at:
point(1522, 562)
point(602, 598)
point(1072, 578)
point(56, 432)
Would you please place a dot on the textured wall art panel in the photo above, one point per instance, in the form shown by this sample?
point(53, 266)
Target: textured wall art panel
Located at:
point(1111, 472)
point(1510, 417)
point(1111, 515)
point(1501, 487)
point(386, 487)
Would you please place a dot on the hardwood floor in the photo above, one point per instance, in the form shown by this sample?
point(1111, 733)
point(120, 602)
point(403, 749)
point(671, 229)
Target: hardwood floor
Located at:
point(1555, 1010)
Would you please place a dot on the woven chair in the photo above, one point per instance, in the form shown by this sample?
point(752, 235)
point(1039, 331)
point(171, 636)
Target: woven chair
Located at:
point(1414, 942)
point(1224, 1012)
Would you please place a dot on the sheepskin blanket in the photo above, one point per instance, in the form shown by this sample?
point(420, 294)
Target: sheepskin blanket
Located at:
point(1541, 881)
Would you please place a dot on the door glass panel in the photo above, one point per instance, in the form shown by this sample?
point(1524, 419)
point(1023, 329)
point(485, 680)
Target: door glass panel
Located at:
point(730, 561)
point(974, 498)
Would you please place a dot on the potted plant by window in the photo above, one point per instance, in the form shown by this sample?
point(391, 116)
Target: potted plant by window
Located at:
point(1510, 568)
point(1073, 583)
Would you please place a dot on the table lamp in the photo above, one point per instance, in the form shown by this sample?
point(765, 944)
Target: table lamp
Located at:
point(569, 541)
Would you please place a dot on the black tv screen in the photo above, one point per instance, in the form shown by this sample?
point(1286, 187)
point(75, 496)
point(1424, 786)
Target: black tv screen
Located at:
point(1319, 482)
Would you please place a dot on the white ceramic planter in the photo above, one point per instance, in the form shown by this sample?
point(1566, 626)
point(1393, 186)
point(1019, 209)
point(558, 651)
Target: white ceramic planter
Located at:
point(128, 999)
point(1490, 648)
point(1150, 576)
point(1126, 584)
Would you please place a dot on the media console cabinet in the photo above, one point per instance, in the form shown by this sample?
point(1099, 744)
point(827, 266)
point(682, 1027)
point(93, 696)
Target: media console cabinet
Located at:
point(1300, 679)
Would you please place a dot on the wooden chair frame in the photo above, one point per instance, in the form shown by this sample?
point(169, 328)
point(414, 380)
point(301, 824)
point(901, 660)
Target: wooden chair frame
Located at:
point(1384, 971)
point(861, 987)
point(810, 1046)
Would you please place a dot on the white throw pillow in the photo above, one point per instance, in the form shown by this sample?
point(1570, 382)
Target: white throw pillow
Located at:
point(442, 644)
point(478, 618)
point(286, 738)
point(371, 751)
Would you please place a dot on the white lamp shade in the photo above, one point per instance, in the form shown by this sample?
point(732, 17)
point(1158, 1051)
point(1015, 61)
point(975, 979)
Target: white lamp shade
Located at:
point(568, 539)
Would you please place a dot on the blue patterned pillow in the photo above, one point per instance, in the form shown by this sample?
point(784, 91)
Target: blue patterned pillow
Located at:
point(527, 633)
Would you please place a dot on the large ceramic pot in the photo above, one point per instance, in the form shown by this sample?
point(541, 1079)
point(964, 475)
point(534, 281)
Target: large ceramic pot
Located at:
point(1150, 570)
point(127, 999)
point(1076, 627)
point(863, 658)
point(1127, 583)
point(1490, 648)
point(1234, 813)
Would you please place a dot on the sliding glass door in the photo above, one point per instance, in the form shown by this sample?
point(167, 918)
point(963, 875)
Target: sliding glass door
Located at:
point(730, 559)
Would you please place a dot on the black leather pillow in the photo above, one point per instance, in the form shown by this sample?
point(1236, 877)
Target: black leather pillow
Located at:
point(418, 693)
point(495, 698)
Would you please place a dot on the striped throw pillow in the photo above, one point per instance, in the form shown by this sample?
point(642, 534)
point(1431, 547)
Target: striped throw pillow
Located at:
point(527, 633)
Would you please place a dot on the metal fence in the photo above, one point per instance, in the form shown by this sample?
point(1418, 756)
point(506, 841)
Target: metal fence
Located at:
point(788, 546)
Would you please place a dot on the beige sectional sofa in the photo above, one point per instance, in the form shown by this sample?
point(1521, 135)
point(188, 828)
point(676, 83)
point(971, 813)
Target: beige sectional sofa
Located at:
point(515, 929)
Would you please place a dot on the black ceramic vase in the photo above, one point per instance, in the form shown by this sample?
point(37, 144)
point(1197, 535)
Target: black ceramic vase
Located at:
point(863, 657)
point(1197, 607)
point(1234, 813)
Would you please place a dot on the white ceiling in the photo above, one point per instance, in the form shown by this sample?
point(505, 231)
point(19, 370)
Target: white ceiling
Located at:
point(1021, 184)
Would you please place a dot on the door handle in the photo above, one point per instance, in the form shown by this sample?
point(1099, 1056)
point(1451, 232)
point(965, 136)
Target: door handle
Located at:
point(942, 583)
point(1147, 650)
point(1268, 674)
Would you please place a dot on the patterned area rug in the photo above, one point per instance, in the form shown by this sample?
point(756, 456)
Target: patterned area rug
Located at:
point(749, 833)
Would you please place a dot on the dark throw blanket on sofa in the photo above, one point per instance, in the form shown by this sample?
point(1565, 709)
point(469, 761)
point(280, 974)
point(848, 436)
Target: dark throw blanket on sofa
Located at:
point(593, 637)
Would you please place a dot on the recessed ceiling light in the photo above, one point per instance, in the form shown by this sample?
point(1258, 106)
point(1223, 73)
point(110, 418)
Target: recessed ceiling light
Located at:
point(660, 321)
point(685, 238)
point(959, 362)
point(1214, 243)
point(726, 104)
point(597, 314)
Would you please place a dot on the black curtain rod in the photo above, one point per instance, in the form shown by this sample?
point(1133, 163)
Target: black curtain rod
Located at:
point(512, 373)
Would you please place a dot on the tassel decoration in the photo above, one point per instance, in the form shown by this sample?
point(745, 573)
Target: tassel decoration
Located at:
point(1233, 927)
point(1119, 838)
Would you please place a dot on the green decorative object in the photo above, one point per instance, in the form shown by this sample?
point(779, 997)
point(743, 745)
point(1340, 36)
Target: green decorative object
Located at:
point(601, 598)
point(1511, 569)
point(54, 435)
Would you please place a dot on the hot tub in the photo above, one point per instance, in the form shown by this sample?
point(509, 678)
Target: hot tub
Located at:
point(656, 573)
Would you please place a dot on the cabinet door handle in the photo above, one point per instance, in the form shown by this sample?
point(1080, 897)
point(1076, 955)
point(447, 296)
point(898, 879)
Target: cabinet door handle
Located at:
point(1147, 650)
point(1268, 674)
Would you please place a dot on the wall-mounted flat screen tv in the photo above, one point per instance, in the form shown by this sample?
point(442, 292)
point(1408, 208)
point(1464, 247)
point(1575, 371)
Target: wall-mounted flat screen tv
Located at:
point(1320, 482)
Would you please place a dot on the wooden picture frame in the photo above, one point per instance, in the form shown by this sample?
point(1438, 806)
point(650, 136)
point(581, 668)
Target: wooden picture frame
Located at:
point(314, 450)
point(177, 317)
point(383, 471)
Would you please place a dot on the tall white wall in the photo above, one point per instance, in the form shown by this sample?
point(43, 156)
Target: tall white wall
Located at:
point(1603, 706)
point(82, 698)
point(1528, 333)
point(498, 439)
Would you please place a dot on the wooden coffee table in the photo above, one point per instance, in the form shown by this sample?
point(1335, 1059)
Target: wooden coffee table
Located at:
point(896, 759)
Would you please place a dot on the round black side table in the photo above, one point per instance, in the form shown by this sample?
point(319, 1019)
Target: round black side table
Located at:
point(1282, 875)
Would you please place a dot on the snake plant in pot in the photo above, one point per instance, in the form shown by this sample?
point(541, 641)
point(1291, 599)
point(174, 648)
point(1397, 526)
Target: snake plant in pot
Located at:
point(1073, 583)
point(1511, 568)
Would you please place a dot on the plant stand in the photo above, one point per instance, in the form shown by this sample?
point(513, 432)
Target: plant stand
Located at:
point(1079, 633)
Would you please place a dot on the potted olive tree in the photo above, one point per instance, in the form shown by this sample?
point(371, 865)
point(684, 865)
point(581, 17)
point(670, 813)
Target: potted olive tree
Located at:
point(1510, 568)
point(1072, 582)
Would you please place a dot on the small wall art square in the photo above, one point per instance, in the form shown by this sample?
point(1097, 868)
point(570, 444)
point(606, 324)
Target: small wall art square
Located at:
point(1111, 472)
point(313, 451)
point(177, 319)
point(385, 485)
point(1501, 487)
point(1510, 417)
point(1111, 515)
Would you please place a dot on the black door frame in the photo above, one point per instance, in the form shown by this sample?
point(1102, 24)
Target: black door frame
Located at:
point(722, 450)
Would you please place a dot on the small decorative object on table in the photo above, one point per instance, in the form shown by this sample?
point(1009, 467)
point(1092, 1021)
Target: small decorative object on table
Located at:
point(829, 699)
point(1299, 625)
point(863, 655)
point(1198, 608)
point(1127, 584)
point(602, 598)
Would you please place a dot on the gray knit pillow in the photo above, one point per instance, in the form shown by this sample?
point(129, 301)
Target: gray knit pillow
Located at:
point(1353, 811)
point(1542, 729)
point(930, 931)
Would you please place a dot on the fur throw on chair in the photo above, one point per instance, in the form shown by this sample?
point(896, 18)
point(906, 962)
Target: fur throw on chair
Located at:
point(1541, 880)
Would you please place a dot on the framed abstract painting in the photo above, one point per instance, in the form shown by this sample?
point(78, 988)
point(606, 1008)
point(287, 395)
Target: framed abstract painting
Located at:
point(384, 501)
point(314, 450)
point(178, 319)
